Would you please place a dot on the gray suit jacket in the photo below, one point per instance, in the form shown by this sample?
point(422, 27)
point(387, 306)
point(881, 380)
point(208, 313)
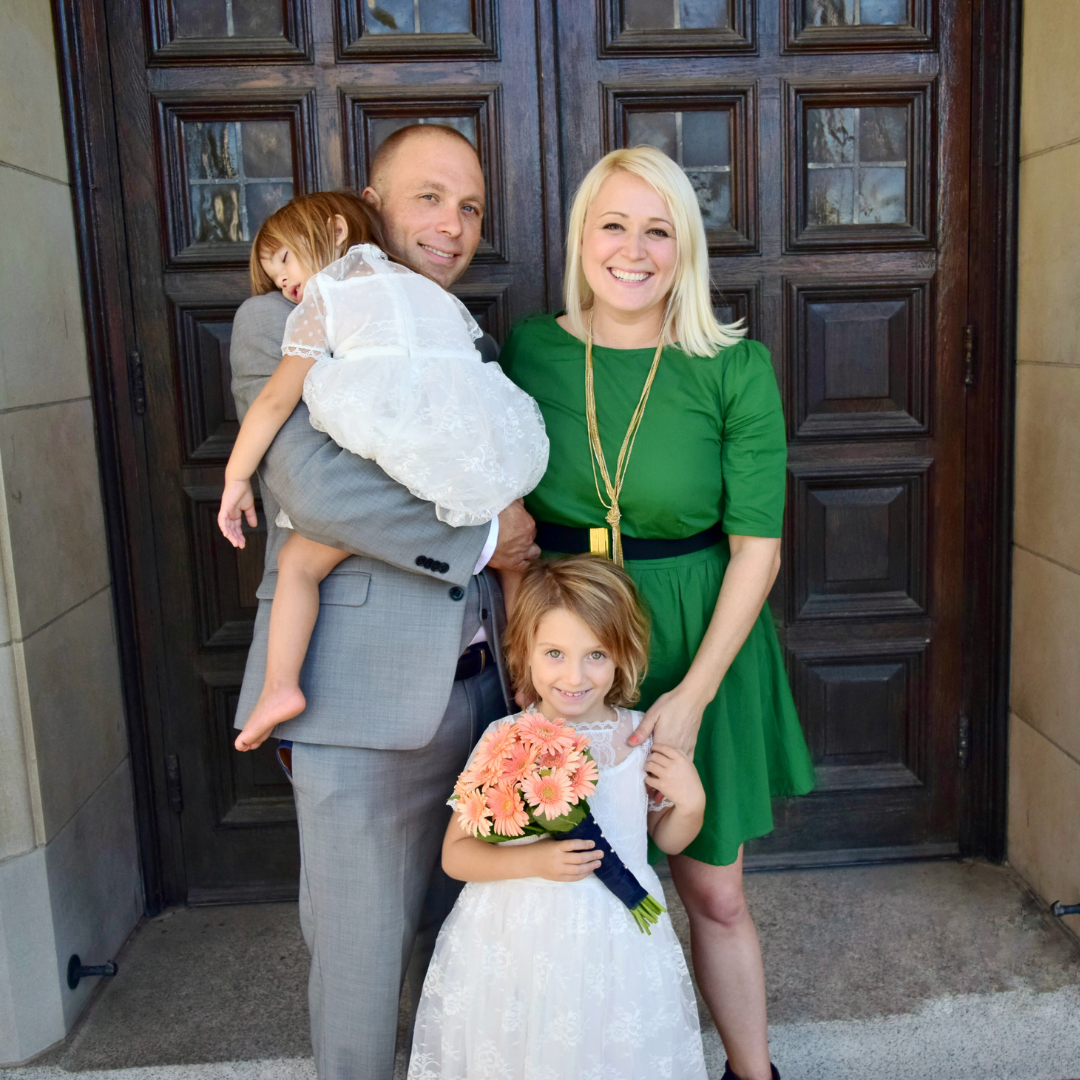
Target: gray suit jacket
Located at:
point(392, 622)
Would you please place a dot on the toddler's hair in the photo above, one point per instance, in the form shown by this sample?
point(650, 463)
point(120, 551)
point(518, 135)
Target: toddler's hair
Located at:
point(599, 593)
point(305, 224)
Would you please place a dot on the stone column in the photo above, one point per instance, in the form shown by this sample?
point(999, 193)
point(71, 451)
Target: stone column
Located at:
point(69, 875)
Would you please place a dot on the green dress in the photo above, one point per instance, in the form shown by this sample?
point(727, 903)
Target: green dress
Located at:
point(711, 447)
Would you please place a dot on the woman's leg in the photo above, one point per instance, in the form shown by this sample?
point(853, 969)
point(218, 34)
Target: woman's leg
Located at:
point(727, 960)
point(302, 564)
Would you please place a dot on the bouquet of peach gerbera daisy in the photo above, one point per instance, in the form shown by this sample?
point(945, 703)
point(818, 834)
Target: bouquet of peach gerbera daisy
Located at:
point(531, 777)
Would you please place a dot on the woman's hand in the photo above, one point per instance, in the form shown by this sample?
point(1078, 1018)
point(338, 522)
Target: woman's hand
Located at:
point(237, 503)
point(564, 860)
point(674, 719)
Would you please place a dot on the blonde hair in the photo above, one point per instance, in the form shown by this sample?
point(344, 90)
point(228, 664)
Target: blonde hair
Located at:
point(689, 319)
point(603, 597)
point(306, 224)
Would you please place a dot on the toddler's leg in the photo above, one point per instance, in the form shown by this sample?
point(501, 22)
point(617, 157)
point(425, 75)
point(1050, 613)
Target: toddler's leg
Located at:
point(302, 564)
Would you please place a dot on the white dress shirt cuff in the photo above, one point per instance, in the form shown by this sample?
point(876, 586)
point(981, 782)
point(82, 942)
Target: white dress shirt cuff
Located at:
point(489, 547)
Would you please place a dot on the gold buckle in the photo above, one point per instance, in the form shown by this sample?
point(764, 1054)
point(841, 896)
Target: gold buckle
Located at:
point(600, 543)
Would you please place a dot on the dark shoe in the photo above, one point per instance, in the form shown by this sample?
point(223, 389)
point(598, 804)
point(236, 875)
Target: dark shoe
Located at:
point(729, 1075)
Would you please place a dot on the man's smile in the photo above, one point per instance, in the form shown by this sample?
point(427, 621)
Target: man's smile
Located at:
point(439, 253)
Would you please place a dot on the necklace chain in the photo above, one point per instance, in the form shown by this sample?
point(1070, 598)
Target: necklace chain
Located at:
point(614, 490)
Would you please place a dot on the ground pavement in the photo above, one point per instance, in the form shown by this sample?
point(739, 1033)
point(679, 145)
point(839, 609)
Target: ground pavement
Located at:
point(915, 971)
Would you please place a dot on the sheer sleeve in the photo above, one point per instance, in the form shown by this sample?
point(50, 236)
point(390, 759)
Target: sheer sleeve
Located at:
point(754, 444)
point(306, 332)
point(470, 323)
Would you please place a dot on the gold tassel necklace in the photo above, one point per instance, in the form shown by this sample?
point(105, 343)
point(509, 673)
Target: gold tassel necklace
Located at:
point(598, 538)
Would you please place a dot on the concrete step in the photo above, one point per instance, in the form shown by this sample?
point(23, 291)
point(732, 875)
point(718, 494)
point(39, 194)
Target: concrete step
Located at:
point(916, 971)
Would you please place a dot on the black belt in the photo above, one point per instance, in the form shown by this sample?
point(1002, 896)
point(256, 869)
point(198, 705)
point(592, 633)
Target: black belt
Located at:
point(570, 541)
point(473, 660)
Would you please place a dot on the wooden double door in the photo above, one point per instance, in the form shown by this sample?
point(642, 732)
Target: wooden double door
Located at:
point(828, 144)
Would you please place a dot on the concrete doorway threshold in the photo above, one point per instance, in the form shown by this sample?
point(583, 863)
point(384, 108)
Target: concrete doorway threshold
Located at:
point(915, 971)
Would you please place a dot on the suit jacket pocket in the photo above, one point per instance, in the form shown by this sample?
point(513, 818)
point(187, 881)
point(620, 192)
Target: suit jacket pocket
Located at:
point(344, 588)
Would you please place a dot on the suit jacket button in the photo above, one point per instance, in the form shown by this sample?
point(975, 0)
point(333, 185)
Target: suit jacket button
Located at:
point(483, 613)
point(457, 593)
point(420, 560)
point(443, 567)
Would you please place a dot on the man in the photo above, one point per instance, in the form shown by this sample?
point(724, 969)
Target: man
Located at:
point(399, 677)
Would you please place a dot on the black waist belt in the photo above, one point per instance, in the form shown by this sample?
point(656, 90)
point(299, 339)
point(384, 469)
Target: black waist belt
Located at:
point(570, 541)
point(472, 661)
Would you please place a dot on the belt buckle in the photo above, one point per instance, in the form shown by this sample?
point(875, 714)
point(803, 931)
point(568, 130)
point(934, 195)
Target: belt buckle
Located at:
point(600, 543)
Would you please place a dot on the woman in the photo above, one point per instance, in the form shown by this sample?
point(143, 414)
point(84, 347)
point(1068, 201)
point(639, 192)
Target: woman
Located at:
point(673, 457)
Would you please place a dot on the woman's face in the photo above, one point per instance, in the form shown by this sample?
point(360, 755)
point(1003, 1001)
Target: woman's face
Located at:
point(628, 249)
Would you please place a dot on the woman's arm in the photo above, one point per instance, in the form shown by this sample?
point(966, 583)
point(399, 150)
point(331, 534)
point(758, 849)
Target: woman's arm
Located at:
point(269, 411)
point(676, 716)
point(465, 858)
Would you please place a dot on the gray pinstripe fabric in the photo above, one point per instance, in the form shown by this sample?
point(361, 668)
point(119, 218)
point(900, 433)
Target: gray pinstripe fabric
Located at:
point(386, 730)
point(377, 608)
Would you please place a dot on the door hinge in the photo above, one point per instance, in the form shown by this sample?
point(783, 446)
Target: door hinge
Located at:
point(138, 382)
point(963, 743)
point(173, 787)
point(969, 355)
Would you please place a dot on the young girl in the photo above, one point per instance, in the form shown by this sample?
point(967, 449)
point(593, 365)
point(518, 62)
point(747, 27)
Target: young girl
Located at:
point(385, 361)
point(540, 971)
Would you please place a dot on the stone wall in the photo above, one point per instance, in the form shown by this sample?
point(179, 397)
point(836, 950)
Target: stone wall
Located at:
point(1044, 768)
point(69, 875)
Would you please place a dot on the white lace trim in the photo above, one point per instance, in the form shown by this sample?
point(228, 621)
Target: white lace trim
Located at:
point(311, 352)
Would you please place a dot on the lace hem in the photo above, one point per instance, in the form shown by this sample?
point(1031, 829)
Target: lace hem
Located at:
point(307, 351)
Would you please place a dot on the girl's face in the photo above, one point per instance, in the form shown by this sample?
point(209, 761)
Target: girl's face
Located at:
point(628, 249)
point(572, 671)
point(288, 271)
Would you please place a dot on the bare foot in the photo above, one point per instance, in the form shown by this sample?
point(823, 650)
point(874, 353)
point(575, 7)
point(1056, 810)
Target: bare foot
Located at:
point(272, 708)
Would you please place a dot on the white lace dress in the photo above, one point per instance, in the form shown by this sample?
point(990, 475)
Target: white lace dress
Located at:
point(398, 379)
point(542, 980)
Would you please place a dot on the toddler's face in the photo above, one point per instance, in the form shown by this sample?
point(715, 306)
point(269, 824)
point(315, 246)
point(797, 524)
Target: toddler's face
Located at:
point(572, 671)
point(288, 271)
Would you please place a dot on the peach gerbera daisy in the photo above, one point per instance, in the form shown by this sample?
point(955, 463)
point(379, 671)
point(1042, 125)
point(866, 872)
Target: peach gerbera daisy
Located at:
point(583, 783)
point(508, 811)
point(545, 734)
point(495, 745)
point(518, 763)
point(550, 794)
point(473, 814)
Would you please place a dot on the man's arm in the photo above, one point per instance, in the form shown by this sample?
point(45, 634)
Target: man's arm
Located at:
point(332, 495)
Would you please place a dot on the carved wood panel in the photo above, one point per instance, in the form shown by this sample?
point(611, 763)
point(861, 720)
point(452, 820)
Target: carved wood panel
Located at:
point(249, 789)
point(675, 27)
point(712, 134)
point(859, 357)
point(225, 578)
point(411, 30)
point(735, 301)
point(857, 25)
point(227, 162)
point(858, 540)
point(203, 335)
point(185, 32)
point(861, 165)
point(863, 708)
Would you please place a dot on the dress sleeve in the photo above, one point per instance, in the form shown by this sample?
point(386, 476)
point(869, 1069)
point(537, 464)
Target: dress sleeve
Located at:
point(753, 451)
point(306, 332)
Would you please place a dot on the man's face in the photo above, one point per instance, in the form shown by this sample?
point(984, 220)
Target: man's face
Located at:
point(432, 204)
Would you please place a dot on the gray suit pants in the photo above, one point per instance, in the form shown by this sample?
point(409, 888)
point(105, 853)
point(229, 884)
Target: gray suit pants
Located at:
point(371, 829)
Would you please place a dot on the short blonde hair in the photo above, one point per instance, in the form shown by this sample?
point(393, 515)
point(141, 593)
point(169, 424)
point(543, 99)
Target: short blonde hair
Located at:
point(689, 319)
point(599, 593)
point(305, 224)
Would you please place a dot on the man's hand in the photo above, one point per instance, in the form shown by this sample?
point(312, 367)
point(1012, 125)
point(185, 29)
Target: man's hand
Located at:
point(516, 546)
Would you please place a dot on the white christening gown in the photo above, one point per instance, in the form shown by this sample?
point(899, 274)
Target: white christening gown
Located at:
point(397, 379)
point(543, 980)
